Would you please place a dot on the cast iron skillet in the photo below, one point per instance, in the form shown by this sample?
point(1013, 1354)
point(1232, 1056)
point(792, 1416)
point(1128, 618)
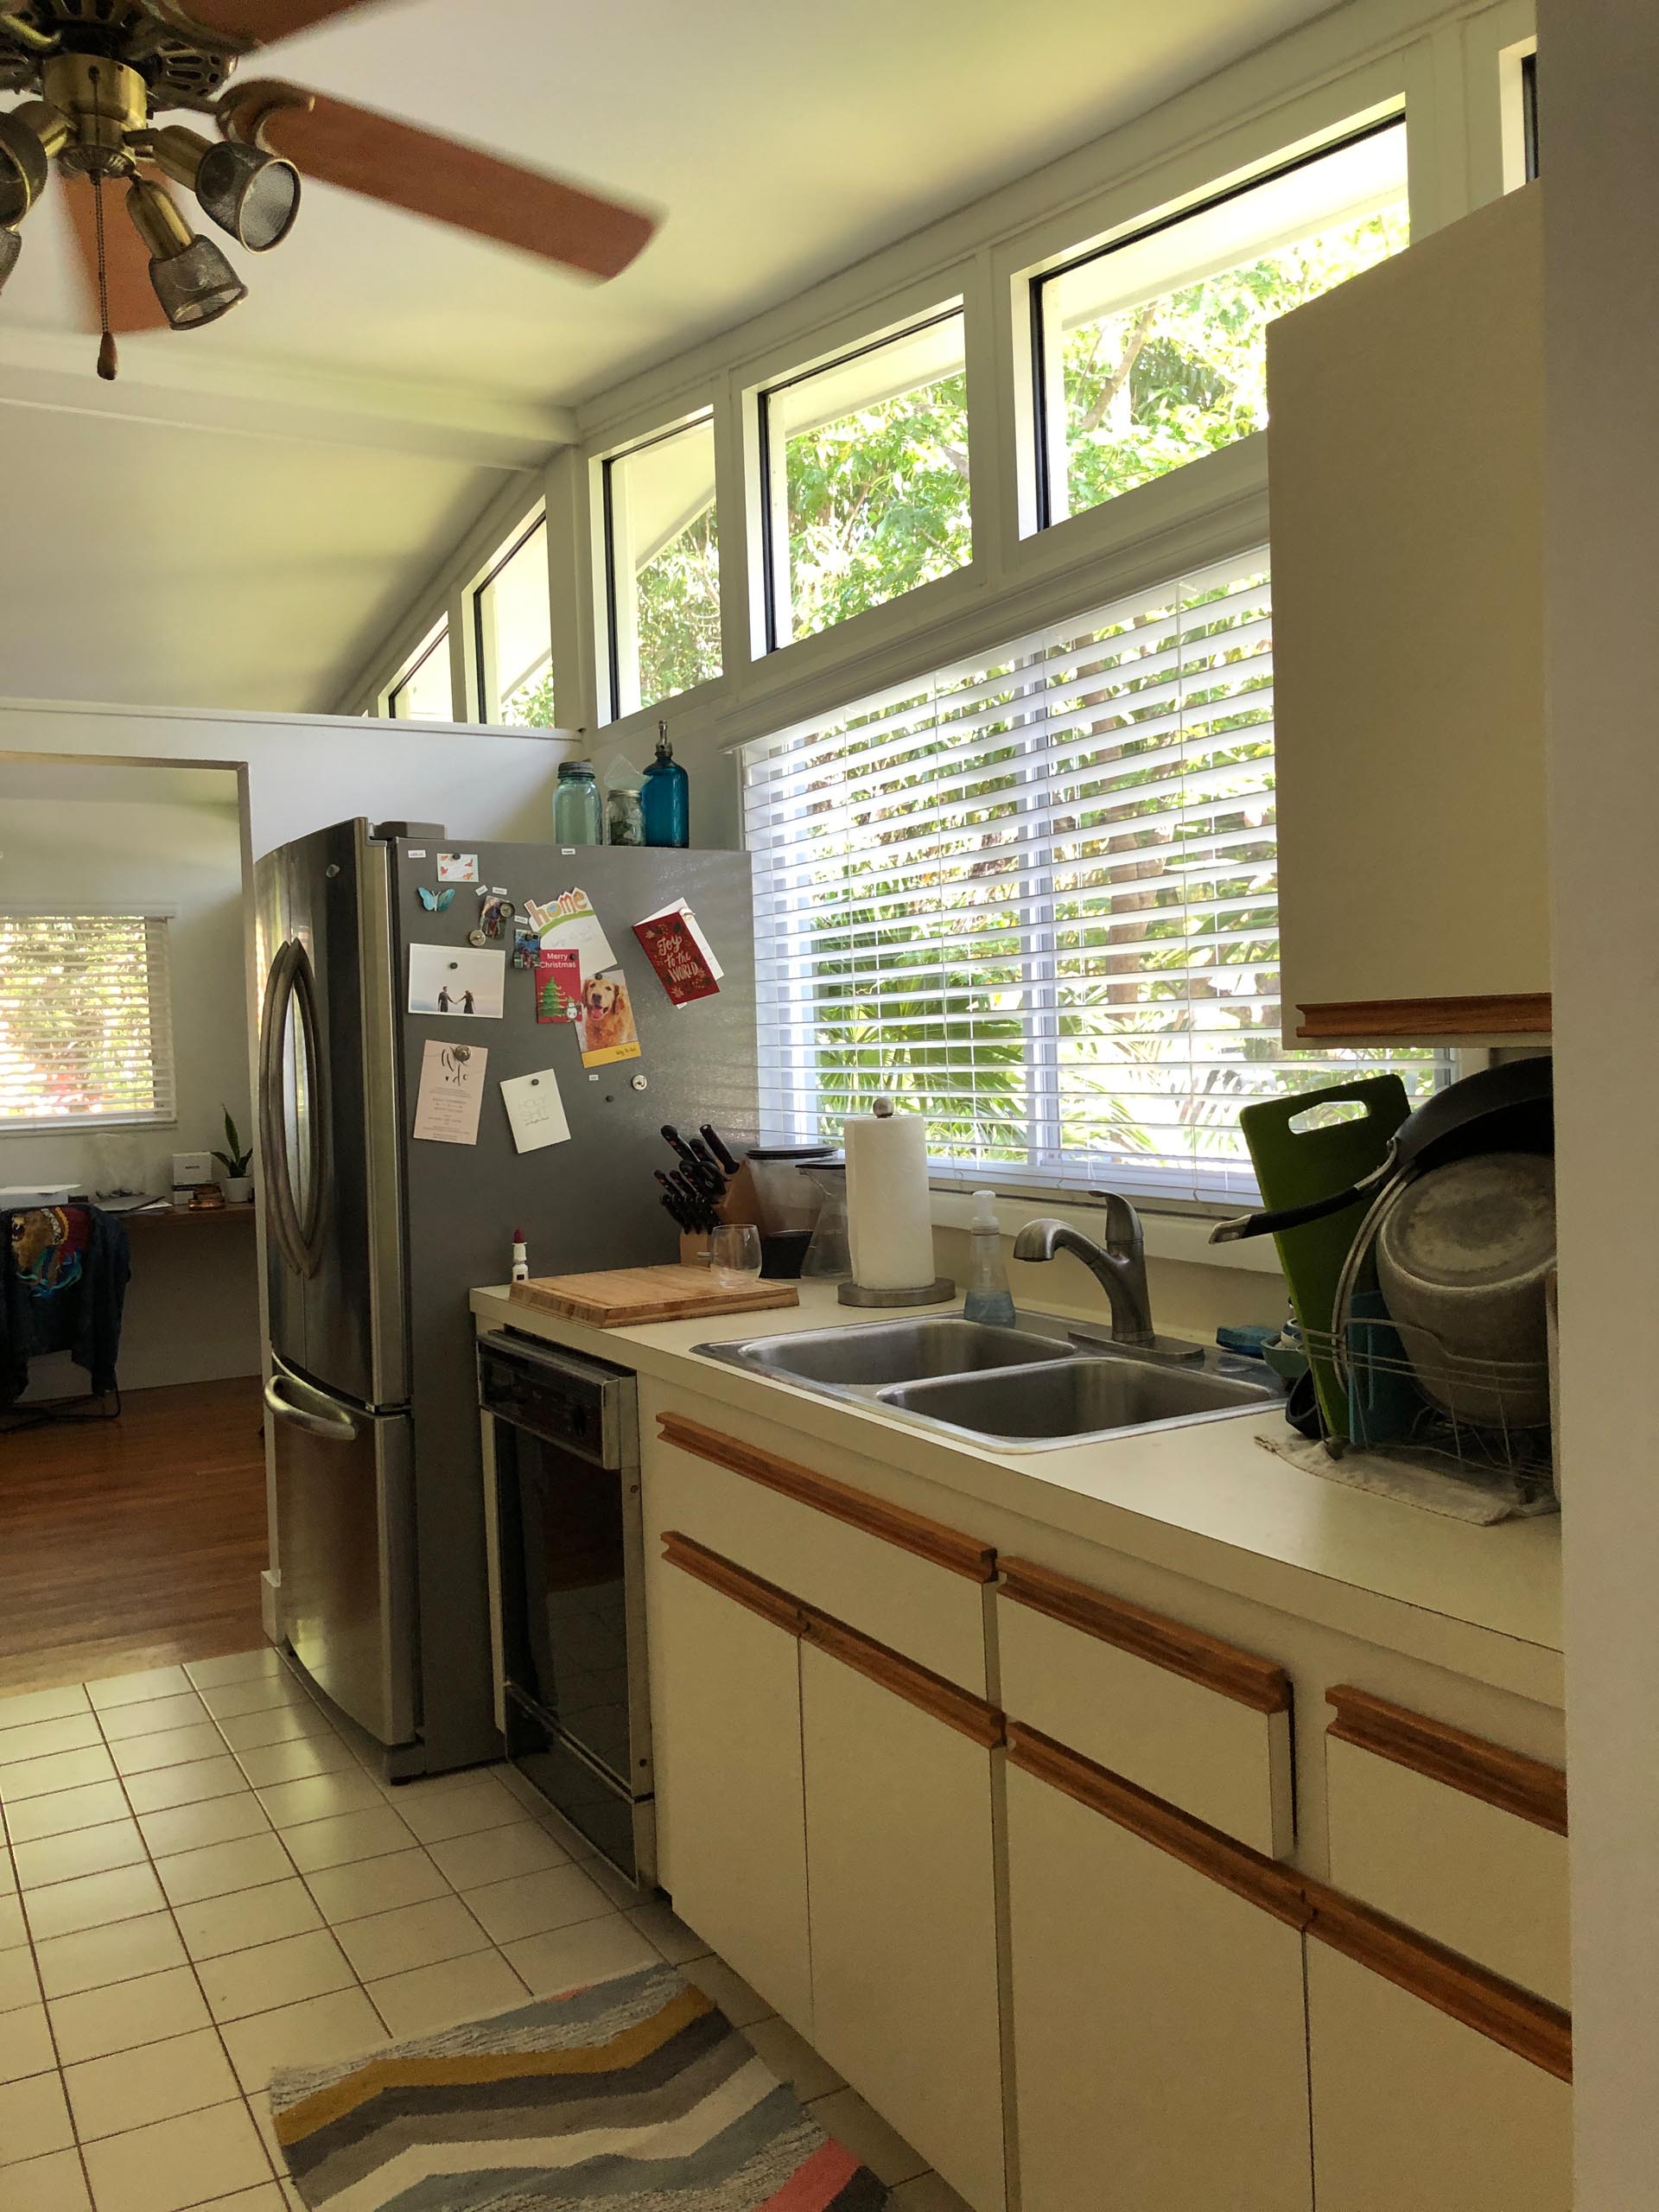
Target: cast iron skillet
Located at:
point(1507, 1109)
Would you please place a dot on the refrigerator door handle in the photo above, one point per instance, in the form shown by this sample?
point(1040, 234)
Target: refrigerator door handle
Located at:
point(273, 1135)
point(291, 983)
point(313, 1412)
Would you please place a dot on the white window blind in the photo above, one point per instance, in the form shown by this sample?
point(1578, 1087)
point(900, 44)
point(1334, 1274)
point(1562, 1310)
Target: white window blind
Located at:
point(85, 1021)
point(1034, 897)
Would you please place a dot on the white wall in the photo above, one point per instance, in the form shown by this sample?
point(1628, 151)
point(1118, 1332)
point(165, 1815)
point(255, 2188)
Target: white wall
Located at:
point(1599, 82)
point(302, 772)
point(149, 839)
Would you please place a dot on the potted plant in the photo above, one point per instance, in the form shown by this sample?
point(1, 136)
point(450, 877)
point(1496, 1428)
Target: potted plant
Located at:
point(239, 1183)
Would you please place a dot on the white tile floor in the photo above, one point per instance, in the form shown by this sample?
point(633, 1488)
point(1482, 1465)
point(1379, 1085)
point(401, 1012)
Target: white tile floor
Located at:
point(199, 1882)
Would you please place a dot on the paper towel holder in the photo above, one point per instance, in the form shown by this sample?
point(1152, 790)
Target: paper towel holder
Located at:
point(936, 1292)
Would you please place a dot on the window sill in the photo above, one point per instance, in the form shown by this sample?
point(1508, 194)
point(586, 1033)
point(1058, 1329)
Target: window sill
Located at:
point(1170, 1234)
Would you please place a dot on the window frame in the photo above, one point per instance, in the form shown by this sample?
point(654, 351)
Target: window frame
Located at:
point(771, 475)
point(485, 686)
point(1045, 452)
point(610, 659)
point(158, 958)
point(437, 638)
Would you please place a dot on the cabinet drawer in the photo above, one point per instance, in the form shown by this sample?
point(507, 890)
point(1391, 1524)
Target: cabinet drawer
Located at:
point(1414, 2109)
point(913, 1584)
point(1452, 1835)
point(1197, 1722)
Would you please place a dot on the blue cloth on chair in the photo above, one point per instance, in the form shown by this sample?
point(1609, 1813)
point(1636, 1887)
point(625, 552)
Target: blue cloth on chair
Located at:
point(63, 1285)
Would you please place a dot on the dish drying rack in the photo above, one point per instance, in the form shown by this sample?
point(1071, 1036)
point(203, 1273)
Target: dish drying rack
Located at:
point(1409, 1398)
point(1403, 1393)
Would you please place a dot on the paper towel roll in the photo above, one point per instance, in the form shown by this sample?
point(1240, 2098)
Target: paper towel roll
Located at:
point(888, 1218)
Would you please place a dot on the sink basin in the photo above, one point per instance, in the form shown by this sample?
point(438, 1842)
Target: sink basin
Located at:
point(1065, 1401)
point(893, 1352)
point(1021, 1386)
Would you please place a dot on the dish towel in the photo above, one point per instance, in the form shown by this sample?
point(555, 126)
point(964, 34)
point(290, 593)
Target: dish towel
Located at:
point(1460, 1498)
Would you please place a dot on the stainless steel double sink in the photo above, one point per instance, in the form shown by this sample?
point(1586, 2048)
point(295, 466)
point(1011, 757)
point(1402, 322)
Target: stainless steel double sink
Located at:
point(1031, 1388)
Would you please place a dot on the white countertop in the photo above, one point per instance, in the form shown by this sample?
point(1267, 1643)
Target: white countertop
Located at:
point(1205, 1501)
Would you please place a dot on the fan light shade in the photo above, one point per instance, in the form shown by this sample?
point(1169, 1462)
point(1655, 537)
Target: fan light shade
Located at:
point(196, 286)
point(24, 167)
point(192, 278)
point(10, 247)
point(253, 195)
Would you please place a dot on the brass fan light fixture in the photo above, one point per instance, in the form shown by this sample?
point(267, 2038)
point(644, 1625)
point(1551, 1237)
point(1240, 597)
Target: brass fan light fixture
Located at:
point(97, 73)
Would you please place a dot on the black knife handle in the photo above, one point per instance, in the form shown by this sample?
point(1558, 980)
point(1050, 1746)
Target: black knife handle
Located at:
point(718, 1146)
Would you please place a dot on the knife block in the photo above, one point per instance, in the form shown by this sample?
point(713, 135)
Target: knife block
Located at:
point(739, 1203)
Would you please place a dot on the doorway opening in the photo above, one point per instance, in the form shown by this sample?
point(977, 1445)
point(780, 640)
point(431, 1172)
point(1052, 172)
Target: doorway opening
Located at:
point(132, 1486)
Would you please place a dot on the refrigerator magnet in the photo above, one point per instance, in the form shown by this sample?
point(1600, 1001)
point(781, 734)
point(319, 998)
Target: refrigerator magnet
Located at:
point(457, 868)
point(434, 901)
point(450, 979)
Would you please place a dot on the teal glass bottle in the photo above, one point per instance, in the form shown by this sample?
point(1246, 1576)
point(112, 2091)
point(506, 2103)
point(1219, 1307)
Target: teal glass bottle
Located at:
point(666, 799)
point(578, 817)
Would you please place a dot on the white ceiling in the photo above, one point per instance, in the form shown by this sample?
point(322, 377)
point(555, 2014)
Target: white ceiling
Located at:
point(783, 141)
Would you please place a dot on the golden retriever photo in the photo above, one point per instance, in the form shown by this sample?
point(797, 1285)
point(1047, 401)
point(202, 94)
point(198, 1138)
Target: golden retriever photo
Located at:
point(607, 1020)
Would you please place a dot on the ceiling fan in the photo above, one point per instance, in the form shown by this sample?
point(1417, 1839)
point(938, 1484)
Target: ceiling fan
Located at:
point(99, 72)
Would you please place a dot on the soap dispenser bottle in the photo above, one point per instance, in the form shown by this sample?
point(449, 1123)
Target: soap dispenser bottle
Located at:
point(665, 801)
point(989, 1298)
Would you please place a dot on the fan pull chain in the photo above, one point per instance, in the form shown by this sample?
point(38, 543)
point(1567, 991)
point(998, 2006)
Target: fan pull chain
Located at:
point(109, 358)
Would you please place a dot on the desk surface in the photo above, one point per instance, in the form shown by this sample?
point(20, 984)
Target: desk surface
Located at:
point(244, 1213)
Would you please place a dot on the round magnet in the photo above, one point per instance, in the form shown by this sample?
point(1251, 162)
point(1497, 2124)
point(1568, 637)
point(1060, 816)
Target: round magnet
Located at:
point(637, 1083)
point(476, 937)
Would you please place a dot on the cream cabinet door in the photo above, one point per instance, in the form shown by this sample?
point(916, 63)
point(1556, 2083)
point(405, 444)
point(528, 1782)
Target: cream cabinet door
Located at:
point(729, 1791)
point(1159, 2049)
point(1414, 2112)
point(904, 1919)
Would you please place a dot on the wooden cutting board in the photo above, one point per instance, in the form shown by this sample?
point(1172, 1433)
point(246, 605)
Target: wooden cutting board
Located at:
point(628, 1297)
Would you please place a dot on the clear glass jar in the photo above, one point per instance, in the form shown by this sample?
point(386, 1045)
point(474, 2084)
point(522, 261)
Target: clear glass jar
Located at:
point(578, 818)
point(625, 820)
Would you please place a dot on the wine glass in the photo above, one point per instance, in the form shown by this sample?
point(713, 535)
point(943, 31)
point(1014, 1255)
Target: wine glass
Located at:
point(734, 1253)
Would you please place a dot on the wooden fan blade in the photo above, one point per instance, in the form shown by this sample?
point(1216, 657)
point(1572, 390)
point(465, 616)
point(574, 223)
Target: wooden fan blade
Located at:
point(248, 23)
point(451, 182)
point(133, 303)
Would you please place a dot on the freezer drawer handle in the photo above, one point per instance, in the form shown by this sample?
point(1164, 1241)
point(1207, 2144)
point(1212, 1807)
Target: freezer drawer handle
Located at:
point(334, 1427)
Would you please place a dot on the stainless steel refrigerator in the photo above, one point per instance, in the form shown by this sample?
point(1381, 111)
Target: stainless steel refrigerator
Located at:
point(375, 1237)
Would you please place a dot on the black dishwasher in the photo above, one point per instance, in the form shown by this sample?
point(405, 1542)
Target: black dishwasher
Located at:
point(570, 1558)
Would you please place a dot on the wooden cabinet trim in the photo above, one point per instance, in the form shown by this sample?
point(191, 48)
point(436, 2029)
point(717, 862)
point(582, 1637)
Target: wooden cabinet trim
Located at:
point(894, 1524)
point(1517, 1013)
point(959, 1709)
point(1526, 1786)
point(1529, 2026)
point(1203, 1659)
point(1260, 1881)
point(733, 1581)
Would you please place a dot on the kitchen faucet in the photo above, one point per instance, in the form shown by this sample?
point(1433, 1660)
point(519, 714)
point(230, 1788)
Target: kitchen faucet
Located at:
point(1119, 1266)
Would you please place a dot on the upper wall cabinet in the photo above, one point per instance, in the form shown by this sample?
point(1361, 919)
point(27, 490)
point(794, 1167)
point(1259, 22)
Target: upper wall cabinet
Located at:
point(1406, 468)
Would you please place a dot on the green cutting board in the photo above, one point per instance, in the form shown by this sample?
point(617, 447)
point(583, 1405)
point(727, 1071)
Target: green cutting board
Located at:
point(1298, 1156)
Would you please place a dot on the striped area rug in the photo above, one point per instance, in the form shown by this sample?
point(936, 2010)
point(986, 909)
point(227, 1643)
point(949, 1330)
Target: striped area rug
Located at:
point(635, 2095)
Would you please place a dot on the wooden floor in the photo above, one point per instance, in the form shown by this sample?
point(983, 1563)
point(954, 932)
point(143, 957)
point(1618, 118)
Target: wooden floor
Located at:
point(132, 1543)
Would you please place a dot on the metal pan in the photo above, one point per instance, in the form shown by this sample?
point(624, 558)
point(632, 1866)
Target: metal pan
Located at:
point(1505, 1108)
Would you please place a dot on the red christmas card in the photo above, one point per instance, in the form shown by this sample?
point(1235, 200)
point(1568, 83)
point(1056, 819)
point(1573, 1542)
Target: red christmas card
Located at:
point(558, 983)
point(681, 954)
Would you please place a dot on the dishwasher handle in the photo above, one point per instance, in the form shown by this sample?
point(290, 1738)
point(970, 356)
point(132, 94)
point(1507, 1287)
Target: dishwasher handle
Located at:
point(289, 1399)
